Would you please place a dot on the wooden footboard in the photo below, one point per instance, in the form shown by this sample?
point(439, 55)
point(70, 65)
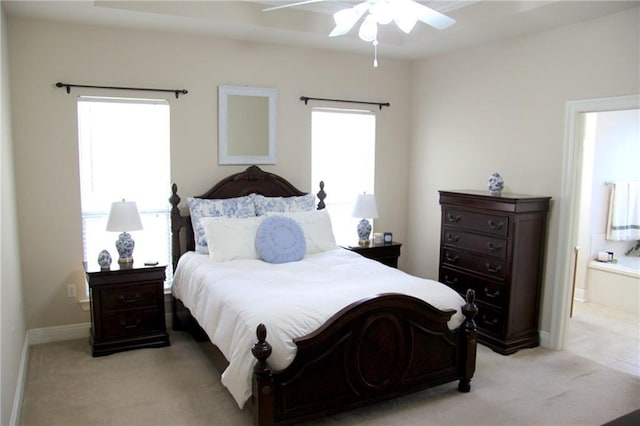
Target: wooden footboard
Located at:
point(374, 349)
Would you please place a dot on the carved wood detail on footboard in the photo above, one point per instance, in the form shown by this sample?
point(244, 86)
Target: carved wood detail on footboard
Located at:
point(377, 348)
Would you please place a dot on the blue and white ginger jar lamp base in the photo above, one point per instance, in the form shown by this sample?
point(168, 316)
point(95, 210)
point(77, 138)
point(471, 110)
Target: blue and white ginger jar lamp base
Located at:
point(364, 230)
point(125, 245)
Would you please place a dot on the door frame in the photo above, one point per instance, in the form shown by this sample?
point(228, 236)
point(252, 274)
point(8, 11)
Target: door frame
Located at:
point(569, 205)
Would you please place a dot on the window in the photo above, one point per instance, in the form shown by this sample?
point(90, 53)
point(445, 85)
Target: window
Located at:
point(343, 156)
point(124, 154)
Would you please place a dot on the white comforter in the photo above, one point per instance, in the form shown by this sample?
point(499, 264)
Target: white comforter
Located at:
point(229, 299)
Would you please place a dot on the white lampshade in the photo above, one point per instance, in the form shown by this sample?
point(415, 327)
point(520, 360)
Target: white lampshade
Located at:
point(365, 206)
point(124, 217)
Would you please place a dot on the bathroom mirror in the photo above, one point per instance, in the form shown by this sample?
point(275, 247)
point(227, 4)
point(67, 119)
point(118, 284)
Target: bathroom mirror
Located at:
point(246, 125)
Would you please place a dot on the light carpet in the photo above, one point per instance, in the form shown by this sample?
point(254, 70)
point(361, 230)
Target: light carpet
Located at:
point(178, 385)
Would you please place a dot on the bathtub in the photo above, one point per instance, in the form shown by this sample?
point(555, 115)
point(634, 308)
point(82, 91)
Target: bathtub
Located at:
point(615, 285)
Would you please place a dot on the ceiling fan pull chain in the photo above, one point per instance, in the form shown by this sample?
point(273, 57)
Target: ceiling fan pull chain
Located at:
point(375, 53)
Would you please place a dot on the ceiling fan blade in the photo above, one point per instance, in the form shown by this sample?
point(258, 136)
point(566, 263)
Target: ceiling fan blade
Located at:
point(432, 17)
point(284, 6)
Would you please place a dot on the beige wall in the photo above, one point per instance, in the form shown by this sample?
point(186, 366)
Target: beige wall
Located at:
point(45, 133)
point(12, 321)
point(501, 107)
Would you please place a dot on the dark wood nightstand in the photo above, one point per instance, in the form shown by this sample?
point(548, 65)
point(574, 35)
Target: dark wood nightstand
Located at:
point(127, 308)
point(383, 253)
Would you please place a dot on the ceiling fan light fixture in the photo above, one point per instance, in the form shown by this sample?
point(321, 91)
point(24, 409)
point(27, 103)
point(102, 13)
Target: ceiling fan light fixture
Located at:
point(369, 29)
point(405, 15)
point(382, 11)
point(345, 19)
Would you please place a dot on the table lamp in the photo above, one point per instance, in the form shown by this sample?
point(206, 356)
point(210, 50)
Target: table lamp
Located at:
point(365, 207)
point(124, 217)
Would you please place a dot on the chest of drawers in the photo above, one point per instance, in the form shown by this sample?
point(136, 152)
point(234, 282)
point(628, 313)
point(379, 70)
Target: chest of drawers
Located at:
point(495, 245)
point(127, 309)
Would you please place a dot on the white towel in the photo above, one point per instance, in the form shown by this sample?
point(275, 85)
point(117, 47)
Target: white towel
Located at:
point(623, 220)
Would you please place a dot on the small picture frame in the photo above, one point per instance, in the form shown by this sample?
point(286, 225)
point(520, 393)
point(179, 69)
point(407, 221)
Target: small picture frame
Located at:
point(388, 238)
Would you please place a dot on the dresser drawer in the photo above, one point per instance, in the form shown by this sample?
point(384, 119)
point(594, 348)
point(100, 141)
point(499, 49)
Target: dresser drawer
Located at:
point(489, 320)
point(481, 222)
point(489, 266)
point(475, 242)
point(487, 291)
point(132, 323)
point(129, 297)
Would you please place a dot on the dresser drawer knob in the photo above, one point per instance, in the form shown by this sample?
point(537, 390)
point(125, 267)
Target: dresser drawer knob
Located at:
point(491, 295)
point(493, 270)
point(494, 247)
point(494, 225)
point(124, 299)
point(448, 280)
point(130, 325)
point(489, 321)
point(452, 258)
point(452, 218)
point(453, 238)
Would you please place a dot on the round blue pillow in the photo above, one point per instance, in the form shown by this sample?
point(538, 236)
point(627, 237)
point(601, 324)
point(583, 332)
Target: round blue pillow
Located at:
point(280, 239)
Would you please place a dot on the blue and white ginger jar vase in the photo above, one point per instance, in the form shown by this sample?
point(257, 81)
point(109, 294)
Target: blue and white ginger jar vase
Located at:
point(496, 184)
point(104, 259)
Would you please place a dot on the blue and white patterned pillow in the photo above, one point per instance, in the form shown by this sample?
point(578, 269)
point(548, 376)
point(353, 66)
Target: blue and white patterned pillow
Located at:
point(301, 203)
point(280, 240)
point(230, 207)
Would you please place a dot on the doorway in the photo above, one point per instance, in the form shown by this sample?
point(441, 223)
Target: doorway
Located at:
point(605, 321)
point(570, 204)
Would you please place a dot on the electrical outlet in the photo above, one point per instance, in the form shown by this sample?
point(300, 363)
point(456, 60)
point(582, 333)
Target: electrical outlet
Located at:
point(71, 290)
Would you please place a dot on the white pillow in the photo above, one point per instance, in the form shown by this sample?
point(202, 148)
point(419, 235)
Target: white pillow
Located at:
point(230, 207)
point(231, 238)
point(316, 225)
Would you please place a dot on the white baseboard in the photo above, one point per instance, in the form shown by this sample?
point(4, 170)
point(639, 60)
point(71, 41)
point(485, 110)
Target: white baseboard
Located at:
point(16, 409)
point(545, 339)
point(37, 336)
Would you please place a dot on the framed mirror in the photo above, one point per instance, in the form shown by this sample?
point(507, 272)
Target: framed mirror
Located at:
point(247, 125)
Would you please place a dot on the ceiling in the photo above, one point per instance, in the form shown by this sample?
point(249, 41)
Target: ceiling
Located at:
point(478, 21)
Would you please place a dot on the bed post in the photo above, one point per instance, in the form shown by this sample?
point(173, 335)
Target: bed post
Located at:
point(469, 310)
point(263, 398)
point(175, 226)
point(321, 196)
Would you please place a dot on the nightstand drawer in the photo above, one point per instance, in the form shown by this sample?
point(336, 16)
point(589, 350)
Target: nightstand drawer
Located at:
point(482, 222)
point(129, 297)
point(132, 323)
point(479, 243)
point(489, 266)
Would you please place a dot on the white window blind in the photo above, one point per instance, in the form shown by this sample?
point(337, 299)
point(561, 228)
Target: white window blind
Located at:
point(343, 156)
point(124, 154)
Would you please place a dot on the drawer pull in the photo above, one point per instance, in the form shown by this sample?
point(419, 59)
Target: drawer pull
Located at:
point(448, 280)
point(493, 270)
point(130, 325)
point(451, 258)
point(494, 225)
point(133, 299)
point(453, 238)
point(491, 295)
point(493, 247)
point(492, 321)
point(452, 218)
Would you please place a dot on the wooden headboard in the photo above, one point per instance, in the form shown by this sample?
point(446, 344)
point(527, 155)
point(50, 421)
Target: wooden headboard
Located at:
point(251, 181)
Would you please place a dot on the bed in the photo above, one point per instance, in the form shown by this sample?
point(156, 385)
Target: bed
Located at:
point(385, 342)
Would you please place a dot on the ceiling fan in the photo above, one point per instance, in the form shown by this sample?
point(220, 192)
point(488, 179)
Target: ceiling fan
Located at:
point(405, 14)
